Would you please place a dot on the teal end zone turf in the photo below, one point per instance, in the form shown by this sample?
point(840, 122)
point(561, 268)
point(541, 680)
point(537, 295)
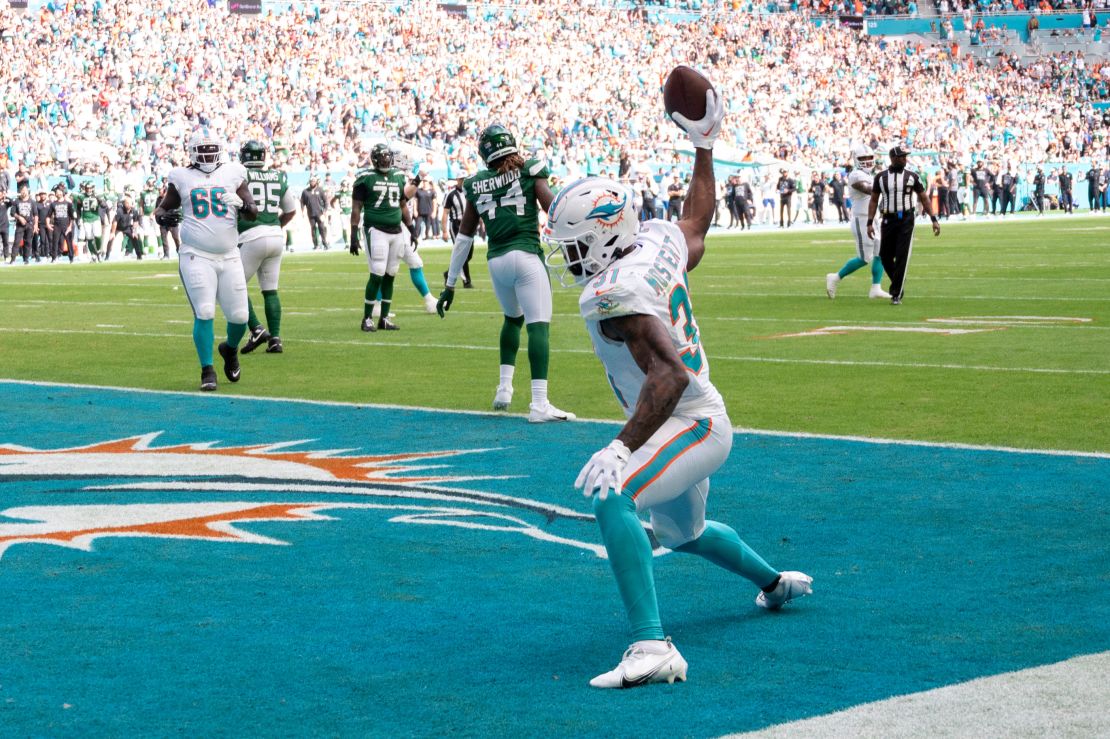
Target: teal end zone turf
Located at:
point(448, 610)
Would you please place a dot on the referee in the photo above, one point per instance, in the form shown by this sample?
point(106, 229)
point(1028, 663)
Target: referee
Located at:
point(453, 205)
point(893, 193)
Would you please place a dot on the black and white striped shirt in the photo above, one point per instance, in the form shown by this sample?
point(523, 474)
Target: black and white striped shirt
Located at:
point(898, 191)
point(454, 204)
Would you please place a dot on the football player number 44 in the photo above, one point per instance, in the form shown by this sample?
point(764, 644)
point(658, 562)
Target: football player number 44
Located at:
point(514, 198)
point(208, 202)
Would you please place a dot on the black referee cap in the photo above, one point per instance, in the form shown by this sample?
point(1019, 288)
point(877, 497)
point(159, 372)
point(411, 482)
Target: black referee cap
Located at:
point(899, 151)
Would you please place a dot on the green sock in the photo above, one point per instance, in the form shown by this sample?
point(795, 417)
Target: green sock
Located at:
point(203, 336)
point(851, 266)
point(252, 317)
point(539, 350)
point(722, 546)
point(372, 287)
point(630, 557)
point(272, 305)
point(235, 333)
point(510, 339)
point(876, 271)
point(387, 294)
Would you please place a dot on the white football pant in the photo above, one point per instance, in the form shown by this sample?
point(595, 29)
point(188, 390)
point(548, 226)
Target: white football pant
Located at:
point(522, 285)
point(261, 255)
point(211, 278)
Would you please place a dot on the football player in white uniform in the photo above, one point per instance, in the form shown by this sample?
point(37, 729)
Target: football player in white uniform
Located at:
point(867, 248)
point(211, 193)
point(638, 313)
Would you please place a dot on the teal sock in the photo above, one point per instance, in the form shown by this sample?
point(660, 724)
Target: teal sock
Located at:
point(876, 271)
point(387, 294)
point(235, 333)
point(630, 558)
point(203, 336)
point(851, 266)
point(373, 285)
point(272, 306)
point(417, 277)
point(252, 317)
point(538, 349)
point(722, 546)
point(510, 339)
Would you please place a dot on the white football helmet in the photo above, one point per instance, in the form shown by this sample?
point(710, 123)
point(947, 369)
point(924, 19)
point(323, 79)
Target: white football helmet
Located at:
point(863, 158)
point(589, 222)
point(206, 150)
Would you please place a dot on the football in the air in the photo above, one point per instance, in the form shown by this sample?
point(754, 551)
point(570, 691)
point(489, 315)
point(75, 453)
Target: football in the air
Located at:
point(684, 93)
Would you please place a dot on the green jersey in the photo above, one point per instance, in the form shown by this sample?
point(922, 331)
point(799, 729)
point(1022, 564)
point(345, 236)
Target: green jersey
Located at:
point(148, 201)
point(89, 205)
point(381, 195)
point(507, 205)
point(270, 190)
point(344, 198)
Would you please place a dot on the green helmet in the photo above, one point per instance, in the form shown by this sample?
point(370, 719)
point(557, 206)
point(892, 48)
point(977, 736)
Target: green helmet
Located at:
point(252, 154)
point(495, 142)
point(381, 156)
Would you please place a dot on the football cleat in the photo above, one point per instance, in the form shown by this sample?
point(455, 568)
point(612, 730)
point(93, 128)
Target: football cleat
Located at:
point(831, 281)
point(207, 378)
point(231, 361)
point(791, 585)
point(877, 291)
point(503, 397)
point(895, 301)
point(384, 324)
point(429, 303)
point(368, 325)
point(547, 412)
point(258, 337)
point(274, 345)
point(643, 663)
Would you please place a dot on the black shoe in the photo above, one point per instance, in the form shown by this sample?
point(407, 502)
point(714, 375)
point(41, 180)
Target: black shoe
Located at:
point(207, 378)
point(384, 324)
point(274, 345)
point(468, 285)
point(231, 361)
point(257, 338)
point(895, 301)
point(368, 325)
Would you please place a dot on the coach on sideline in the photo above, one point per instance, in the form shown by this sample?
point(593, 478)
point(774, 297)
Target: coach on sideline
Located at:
point(893, 193)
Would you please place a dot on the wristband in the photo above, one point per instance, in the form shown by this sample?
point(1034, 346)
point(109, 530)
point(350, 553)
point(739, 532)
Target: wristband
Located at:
point(870, 221)
point(933, 218)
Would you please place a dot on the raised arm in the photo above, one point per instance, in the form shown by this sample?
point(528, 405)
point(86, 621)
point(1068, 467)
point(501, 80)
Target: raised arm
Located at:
point(701, 201)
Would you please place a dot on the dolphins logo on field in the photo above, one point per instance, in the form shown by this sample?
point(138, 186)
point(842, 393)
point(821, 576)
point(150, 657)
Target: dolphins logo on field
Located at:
point(253, 483)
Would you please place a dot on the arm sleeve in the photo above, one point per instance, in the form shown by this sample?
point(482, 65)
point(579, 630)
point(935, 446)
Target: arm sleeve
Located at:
point(359, 192)
point(459, 252)
point(917, 186)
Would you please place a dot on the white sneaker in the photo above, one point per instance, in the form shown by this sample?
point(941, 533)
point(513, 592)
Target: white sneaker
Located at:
point(791, 585)
point(645, 662)
point(877, 291)
point(547, 412)
point(430, 303)
point(831, 281)
point(503, 397)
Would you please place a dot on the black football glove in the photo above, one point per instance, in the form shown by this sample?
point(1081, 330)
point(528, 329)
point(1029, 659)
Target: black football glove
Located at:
point(412, 233)
point(444, 303)
point(354, 242)
point(170, 218)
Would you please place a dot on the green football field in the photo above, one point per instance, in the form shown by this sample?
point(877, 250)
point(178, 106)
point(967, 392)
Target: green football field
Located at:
point(1002, 340)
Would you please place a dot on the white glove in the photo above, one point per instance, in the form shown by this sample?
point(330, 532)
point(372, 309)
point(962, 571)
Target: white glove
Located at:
point(703, 133)
point(231, 200)
point(604, 471)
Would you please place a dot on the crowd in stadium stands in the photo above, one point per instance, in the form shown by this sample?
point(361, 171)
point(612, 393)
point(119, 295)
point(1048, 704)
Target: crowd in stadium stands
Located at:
point(578, 83)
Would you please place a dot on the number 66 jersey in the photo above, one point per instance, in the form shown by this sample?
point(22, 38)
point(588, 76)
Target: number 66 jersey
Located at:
point(208, 225)
point(650, 280)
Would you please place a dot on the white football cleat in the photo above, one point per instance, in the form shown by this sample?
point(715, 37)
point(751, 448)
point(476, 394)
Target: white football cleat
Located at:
point(645, 662)
point(877, 291)
point(547, 412)
point(791, 585)
point(503, 397)
point(429, 303)
point(831, 281)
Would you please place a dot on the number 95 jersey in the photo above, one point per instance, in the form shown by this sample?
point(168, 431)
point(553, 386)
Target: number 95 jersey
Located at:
point(208, 225)
point(651, 280)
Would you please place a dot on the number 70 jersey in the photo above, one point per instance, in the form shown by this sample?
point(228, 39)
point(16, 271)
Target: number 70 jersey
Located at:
point(208, 225)
point(651, 281)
